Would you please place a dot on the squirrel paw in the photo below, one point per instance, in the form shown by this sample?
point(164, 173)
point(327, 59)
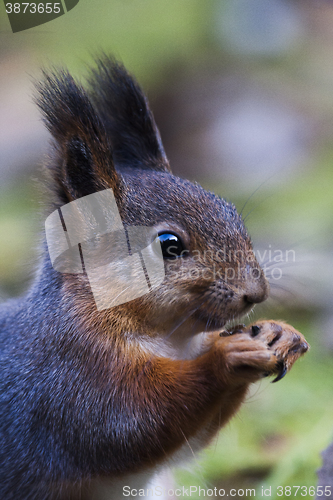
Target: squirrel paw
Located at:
point(262, 349)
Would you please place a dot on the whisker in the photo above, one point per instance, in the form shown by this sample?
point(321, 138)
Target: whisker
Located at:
point(204, 482)
point(287, 294)
point(254, 192)
point(284, 264)
point(255, 207)
point(182, 321)
point(283, 278)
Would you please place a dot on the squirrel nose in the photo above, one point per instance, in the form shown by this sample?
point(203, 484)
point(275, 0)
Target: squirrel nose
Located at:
point(257, 290)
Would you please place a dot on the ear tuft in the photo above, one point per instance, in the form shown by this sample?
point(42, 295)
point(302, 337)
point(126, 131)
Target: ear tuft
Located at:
point(84, 162)
point(126, 115)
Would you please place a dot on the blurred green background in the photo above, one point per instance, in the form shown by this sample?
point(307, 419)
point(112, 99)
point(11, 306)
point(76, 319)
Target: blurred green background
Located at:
point(242, 91)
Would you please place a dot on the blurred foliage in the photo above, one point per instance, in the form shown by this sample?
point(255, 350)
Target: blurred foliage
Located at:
point(145, 34)
point(298, 210)
point(18, 223)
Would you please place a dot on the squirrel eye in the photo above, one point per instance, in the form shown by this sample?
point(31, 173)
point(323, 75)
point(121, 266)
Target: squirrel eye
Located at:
point(172, 245)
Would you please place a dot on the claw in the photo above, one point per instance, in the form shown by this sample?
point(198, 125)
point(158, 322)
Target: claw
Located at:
point(282, 373)
point(232, 330)
point(254, 330)
point(237, 329)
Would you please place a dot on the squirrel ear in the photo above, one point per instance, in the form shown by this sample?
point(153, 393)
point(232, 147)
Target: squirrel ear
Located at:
point(84, 161)
point(126, 115)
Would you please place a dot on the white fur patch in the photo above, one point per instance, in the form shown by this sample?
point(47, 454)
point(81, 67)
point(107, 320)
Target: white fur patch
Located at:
point(173, 348)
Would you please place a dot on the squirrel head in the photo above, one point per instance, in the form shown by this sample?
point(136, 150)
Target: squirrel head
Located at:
point(106, 141)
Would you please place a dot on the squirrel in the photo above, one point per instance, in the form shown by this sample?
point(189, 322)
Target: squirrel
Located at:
point(97, 391)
